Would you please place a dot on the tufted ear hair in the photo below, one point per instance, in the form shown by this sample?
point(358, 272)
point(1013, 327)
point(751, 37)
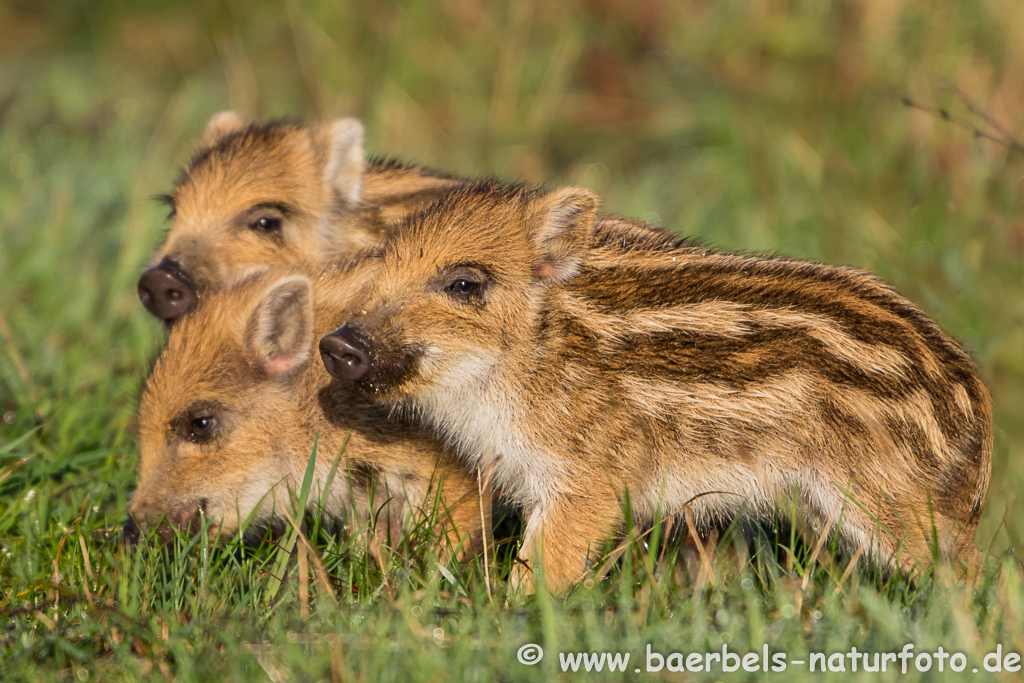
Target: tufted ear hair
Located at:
point(221, 125)
point(346, 160)
point(563, 232)
point(280, 330)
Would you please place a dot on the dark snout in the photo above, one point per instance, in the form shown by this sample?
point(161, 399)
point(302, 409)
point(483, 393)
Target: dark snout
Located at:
point(185, 517)
point(346, 353)
point(130, 533)
point(166, 290)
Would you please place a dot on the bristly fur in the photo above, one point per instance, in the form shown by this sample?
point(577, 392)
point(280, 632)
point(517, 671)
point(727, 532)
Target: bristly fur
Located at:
point(242, 143)
point(589, 365)
point(239, 171)
point(166, 200)
point(270, 401)
point(391, 163)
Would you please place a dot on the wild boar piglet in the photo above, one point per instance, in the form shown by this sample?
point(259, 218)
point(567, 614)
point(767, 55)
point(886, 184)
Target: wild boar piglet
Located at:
point(261, 195)
point(230, 412)
point(584, 369)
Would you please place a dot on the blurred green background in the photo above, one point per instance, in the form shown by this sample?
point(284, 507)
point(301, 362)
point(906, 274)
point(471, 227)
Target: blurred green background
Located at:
point(754, 124)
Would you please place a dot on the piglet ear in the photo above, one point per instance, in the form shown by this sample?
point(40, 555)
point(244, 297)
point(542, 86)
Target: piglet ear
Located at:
point(221, 125)
point(280, 331)
point(563, 232)
point(346, 160)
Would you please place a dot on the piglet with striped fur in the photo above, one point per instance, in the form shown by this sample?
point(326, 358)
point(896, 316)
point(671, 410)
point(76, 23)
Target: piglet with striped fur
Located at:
point(585, 367)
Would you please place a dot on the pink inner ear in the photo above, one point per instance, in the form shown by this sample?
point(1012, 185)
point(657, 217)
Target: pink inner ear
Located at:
point(546, 269)
point(279, 364)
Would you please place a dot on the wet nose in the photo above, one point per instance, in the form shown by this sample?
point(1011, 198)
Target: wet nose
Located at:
point(346, 354)
point(130, 533)
point(166, 291)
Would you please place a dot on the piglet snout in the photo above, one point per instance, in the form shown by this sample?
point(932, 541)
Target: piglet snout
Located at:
point(346, 354)
point(130, 533)
point(166, 291)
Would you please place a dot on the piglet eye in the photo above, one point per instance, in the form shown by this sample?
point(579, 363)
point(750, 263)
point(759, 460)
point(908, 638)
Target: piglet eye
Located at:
point(464, 287)
point(463, 283)
point(197, 423)
point(202, 427)
point(266, 224)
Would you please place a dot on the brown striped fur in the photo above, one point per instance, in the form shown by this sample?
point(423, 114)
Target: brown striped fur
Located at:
point(331, 202)
point(585, 367)
point(245, 358)
point(314, 182)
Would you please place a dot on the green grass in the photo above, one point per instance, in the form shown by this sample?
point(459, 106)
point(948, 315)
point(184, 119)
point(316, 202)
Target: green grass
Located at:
point(760, 125)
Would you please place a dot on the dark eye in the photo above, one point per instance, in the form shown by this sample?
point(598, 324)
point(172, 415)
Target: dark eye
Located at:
point(464, 287)
point(202, 428)
point(465, 283)
point(266, 224)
